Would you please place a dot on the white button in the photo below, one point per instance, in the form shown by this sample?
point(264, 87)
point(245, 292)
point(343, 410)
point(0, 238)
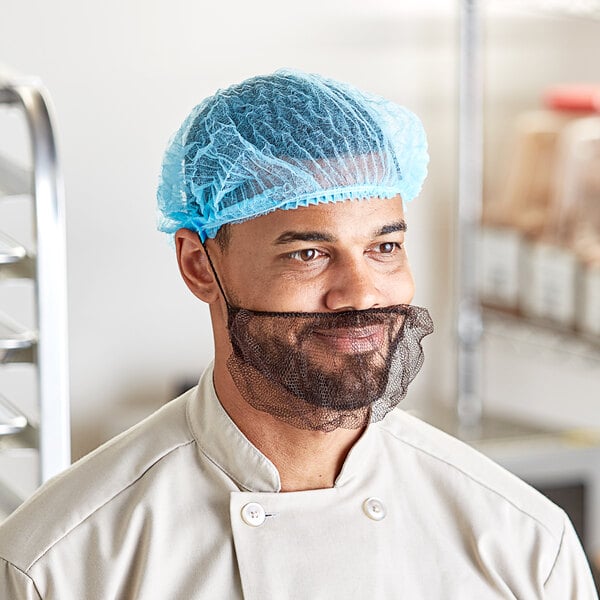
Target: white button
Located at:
point(374, 509)
point(253, 514)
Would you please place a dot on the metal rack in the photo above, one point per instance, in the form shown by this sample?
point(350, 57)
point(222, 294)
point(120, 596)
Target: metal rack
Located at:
point(538, 455)
point(472, 319)
point(44, 265)
point(542, 337)
point(469, 406)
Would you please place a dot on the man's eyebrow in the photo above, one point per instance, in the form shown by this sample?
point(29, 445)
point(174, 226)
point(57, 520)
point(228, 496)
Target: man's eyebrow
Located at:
point(304, 236)
point(319, 236)
point(392, 228)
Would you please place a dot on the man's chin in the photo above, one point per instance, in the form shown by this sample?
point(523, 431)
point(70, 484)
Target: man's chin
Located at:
point(314, 407)
point(350, 387)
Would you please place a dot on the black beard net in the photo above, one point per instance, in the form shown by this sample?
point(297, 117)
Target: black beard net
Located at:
point(323, 371)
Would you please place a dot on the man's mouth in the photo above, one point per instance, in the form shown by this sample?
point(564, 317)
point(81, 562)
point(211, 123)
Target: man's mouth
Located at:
point(352, 340)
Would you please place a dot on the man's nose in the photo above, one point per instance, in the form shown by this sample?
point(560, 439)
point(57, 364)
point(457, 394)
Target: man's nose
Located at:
point(352, 286)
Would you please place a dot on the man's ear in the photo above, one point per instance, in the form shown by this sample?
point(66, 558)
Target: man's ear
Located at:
point(195, 267)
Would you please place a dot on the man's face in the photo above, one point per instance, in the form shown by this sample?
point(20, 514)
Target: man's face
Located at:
point(317, 309)
point(324, 258)
point(327, 259)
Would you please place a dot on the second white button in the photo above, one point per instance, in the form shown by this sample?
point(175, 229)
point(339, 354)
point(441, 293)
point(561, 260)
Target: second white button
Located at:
point(253, 514)
point(374, 509)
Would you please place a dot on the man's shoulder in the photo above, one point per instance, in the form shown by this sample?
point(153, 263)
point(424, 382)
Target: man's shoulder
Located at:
point(93, 482)
point(479, 481)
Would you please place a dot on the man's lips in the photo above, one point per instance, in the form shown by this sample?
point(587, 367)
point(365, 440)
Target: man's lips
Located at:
point(352, 339)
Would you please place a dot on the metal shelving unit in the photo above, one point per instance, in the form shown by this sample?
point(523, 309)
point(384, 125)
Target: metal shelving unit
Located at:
point(44, 265)
point(541, 337)
point(472, 319)
point(536, 454)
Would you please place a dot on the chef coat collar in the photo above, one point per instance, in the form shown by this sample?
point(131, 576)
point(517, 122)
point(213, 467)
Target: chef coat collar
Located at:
point(219, 438)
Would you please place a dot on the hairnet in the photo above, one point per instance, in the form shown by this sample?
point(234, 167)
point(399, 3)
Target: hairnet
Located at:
point(282, 141)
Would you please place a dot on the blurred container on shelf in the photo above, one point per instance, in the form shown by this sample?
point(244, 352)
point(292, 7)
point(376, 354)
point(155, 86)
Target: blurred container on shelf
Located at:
point(575, 98)
point(549, 281)
point(589, 315)
point(577, 219)
point(501, 248)
point(522, 212)
point(540, 240)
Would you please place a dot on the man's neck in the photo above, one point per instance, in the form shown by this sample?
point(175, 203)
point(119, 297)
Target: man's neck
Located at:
point(305, 459)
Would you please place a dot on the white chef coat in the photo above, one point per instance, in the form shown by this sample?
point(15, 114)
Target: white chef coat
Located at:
point(183, 506)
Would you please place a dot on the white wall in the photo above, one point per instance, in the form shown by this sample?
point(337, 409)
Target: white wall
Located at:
point(122, 76)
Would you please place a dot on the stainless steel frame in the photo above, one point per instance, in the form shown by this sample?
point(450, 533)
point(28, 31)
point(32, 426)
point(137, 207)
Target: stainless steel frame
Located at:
point(470, 177)
point(46, 265)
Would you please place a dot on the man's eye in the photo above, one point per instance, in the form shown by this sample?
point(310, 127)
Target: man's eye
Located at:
point(388, 247)
point(305, 255)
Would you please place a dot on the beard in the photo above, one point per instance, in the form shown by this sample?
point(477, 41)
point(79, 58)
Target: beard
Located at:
point(322, 371)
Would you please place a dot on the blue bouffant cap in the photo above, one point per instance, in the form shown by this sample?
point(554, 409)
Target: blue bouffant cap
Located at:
point(282, 141)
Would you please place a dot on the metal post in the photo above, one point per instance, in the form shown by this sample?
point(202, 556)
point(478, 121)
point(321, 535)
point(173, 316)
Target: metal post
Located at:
point(51, 282)
point(470, 168)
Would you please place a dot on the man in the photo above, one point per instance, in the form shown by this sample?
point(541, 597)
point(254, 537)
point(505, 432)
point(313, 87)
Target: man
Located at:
point(288, 472)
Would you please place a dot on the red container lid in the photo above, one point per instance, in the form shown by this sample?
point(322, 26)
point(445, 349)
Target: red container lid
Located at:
point(574, 97)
